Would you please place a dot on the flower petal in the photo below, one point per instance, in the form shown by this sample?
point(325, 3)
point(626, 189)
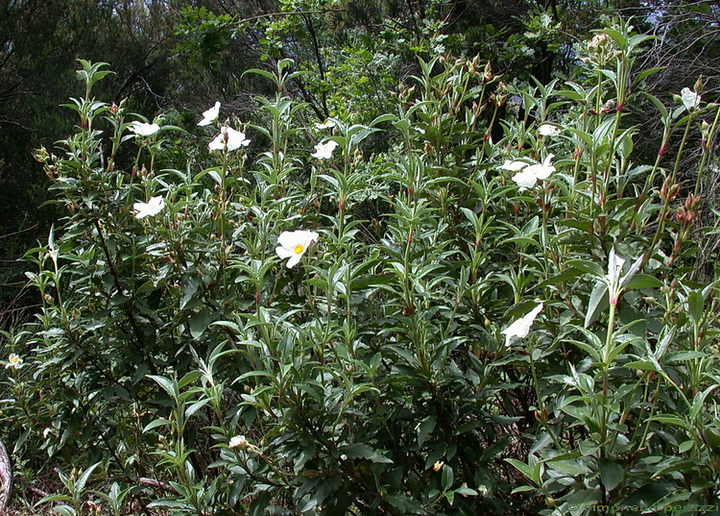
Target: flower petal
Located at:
point(210, 115)
point(284, 252)
point(521, 327)
point(294, 260)
point(513, 166)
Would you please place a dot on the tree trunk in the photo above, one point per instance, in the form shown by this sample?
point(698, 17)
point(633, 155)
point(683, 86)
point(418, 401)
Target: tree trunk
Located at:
point(5, 478)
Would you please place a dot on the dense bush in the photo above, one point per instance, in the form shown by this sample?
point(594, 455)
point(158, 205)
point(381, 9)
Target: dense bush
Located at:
point(268, 328)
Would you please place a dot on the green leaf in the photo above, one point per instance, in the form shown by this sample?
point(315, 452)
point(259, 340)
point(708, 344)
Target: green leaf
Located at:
point(402, 125)
point(229, 325)
point(646, 73)
point(82, 480)
point(65, 510)
point(383, 118)
point(448, 477)
point(641, 365)
point(523, 489)
point(196, 406)
point(640, 281)
point(530, 472)
point(649, 494)
point(686, 446)
point(156, 423)
point(587, 266)
point(425, 429)
point(189, 378)
point(200, 322)
point(363, 451)
point(54, 498)
point(684, 356)
point(21, 440)
point(617, 36)
point(166, 384)
point(669, 419)
point(579, 501)
point(262, 73)
point(695, 305)
point(611, 473)
point(190, 288)
point(404, 503)
point(599, 300)
point(450, 495)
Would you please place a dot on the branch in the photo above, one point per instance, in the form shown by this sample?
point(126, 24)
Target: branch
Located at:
point(18, 232)
point(156, 483)
point(287, 13)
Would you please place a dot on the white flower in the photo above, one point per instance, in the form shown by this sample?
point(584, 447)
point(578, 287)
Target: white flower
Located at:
point(143, 129)
point(293, 244)
point(327, 124)
point(324, 150)
point(238, 441)
point(613, 279)
point(548, 130)
point(229, 139)
point(520, 328)
point(210, 115)
point(14, 361)
point(690, 99)
point(154, 206)
point(615, 267)
point(531, 174)
point(542, 170)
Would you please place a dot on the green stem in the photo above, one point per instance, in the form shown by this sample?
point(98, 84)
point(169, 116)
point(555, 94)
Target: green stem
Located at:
point(666, 202)
point(709, 143)
point(607, 350)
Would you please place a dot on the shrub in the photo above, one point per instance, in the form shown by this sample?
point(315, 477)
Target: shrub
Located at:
point(427, 330)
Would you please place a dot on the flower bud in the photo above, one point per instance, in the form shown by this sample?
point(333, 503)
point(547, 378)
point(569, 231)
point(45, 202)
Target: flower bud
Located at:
point(487, 73)
point(705, 132)
point(699, 85)
point(692, 202)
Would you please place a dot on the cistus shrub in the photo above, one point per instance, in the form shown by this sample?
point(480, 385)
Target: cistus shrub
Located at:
point(397, 317)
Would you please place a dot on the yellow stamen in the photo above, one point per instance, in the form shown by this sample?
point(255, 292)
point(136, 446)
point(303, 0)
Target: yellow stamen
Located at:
point(298, 249)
